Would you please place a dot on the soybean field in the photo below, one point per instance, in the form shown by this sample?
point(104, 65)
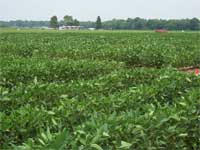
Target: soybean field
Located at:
point(99, 90)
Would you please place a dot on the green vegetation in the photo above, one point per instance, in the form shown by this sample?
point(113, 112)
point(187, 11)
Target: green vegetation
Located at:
point(98, 23)
point(54, 22)
point(116, 24)
point(69, 21)
point(98, 90)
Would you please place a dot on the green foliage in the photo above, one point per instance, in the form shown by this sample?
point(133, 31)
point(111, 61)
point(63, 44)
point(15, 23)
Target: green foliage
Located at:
point(54, 22)
point(98, 23)
point(115, 24)
point(194, 24)
point(152, 24)
point(98, 90)
point(69, 21)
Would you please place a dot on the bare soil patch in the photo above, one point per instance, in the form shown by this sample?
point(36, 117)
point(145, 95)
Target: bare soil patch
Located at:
point(191, 69)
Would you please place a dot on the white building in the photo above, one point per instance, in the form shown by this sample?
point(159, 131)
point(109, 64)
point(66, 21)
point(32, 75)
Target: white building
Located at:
point(69, 28)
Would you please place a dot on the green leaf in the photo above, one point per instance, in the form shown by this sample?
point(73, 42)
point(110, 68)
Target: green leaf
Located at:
point(54, 122)
point(59, 142)
point(41, 141)
point(49, 134)
point(175, 117)
point(125, 145)
point(45, 138)
point(97, 147)
point(80, 132)
point(183, 135)
point(189, 80)
point(183, 104)
point(51, 112)
point(64, 96)
point(105, 134)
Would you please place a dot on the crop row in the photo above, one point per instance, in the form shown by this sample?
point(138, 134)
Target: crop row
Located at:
point(144, 49)
point(128, 96)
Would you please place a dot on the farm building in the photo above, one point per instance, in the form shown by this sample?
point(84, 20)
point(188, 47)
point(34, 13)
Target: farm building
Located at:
point(69, 28)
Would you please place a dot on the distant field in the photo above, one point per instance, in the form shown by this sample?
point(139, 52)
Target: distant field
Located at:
point(99, 90)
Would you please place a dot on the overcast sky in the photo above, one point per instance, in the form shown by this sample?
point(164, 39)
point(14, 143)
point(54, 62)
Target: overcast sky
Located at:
point(89, 9)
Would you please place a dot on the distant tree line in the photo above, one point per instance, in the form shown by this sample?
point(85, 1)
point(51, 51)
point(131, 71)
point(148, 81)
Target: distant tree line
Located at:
point(23, 24)
point(146, 24)
point(115, 24)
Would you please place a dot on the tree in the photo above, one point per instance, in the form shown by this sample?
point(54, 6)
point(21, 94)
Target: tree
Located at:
point(76, 22)
point(139, 23)
point(54, 22)
point(98, 23)
point(194, 24)
point(68, 20)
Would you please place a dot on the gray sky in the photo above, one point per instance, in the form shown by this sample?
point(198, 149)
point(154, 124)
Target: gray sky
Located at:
point(89, 9)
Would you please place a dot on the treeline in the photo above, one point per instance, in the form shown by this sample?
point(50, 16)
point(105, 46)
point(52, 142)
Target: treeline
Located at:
point(145, 24)
point(23, 24)
point(117, 24)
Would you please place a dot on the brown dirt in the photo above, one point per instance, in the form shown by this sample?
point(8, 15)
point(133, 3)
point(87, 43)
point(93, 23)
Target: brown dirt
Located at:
point(190, 69)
